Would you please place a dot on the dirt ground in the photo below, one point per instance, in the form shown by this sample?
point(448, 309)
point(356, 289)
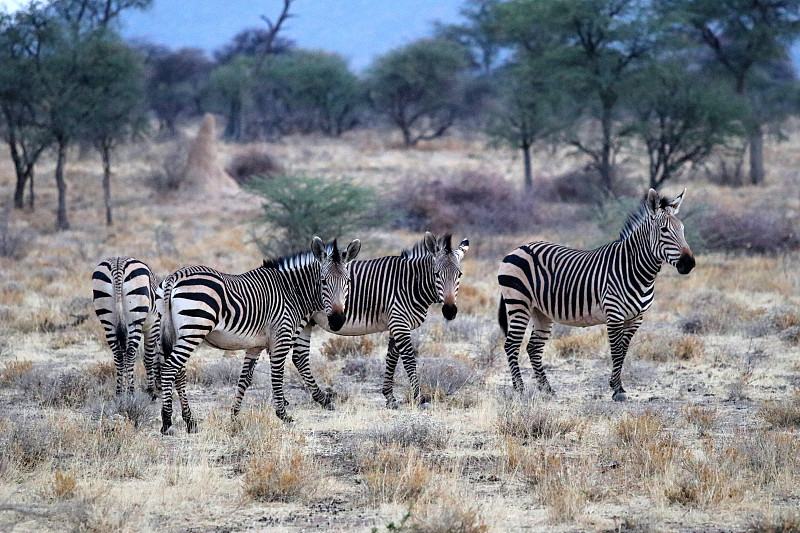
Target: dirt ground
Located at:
point(706, 442)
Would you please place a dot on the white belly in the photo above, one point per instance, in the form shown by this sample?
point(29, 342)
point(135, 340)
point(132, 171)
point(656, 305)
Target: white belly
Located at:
point(229, 341)
point(598, 316)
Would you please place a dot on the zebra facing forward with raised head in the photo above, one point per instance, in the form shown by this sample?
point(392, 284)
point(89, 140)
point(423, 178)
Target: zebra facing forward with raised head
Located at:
point(262, 308)
point(393, 294)
point(123, 293)
point(543, 283)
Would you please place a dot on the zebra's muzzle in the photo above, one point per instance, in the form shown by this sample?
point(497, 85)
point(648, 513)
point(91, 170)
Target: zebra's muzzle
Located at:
point(336, 320)
point(449, 311)
point(685, 264)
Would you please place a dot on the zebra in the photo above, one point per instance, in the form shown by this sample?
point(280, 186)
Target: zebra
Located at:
point(545, 283)
point(259, 309)
point(393, 294)
point(123, 293)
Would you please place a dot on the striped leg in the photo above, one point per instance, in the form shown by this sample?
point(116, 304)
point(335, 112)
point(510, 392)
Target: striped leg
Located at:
point(539, 335)
point(245, 378)
point(619, 336)
point(174, 370)
point(402, 338)
point(517, 323)
point(277, 359)
point(135, 331)
point(388, 378)
point(300, 358)
point(151, 363)
point(118, 350)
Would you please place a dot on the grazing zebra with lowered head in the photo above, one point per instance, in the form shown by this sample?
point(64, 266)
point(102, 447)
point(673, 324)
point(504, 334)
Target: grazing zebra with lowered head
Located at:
point(543, 283)
point(393, 294)
point(262, 308)
point(123, 292)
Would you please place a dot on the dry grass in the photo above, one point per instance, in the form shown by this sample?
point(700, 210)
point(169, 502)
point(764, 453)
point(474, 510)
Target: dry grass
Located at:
point(707, 439)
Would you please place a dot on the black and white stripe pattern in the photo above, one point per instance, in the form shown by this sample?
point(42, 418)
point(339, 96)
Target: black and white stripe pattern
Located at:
point(393, 294)
point(543, 283)
point(262, 308)
point(123, 292)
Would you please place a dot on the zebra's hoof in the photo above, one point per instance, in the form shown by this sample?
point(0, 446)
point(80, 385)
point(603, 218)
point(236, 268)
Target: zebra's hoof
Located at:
point(392, 404)
point(191, 427)
point(167, 431)
point(424, 406)
point(285, 417)
point(329, 406)
point(620, 396)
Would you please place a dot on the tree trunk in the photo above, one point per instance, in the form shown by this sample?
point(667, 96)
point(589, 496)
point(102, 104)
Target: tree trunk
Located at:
point(605, 162)
point(756, 155)
point(30, 187)
point(106, 152)
point(19, 191)
point(233, 129)
point(19, 168)
point(526, 159)
point(61, 215)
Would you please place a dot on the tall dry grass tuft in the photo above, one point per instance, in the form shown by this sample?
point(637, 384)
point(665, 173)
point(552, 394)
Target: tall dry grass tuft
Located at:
point(533, 420)
point(449, 514)
point(417, 430)
point(346, 347)
point(392, 474)
point(783, 413)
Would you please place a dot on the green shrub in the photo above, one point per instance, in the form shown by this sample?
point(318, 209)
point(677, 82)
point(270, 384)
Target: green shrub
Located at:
point(296, 208)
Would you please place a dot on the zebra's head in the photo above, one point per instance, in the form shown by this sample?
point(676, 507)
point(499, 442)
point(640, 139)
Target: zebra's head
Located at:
point(334, 278)
point(446, 270)
point(670, 244)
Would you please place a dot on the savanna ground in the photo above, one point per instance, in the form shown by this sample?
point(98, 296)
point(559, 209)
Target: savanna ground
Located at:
point(707, 441)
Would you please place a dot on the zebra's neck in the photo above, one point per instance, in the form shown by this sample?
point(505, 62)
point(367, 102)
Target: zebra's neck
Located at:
point(424, 280)
point(641, 260)
point(303, 282)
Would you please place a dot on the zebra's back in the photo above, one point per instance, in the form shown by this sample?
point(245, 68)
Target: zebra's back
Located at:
point(565, 284)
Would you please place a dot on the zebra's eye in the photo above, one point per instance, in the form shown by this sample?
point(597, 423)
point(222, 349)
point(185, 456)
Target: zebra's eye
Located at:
point(665, 228)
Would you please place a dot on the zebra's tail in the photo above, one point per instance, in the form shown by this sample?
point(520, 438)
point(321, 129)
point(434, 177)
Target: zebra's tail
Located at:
point(164, 306)
point(502, 316)
point(122, 335)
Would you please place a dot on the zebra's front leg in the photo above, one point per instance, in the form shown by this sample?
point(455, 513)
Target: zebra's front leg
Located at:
point(409, 358)
point(245, 378)
point(539, 335)
point(277, 362)
point(619, 336)
point(300, 358)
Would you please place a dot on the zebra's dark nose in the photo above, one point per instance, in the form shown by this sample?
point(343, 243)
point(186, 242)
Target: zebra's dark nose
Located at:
point(336, 320)
point(685, 264)
point(449, 311)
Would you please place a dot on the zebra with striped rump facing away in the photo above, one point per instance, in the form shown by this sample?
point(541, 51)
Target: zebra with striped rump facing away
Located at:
point(393, 294)
point(260, 309)
point(123, 293)
point(543, 283)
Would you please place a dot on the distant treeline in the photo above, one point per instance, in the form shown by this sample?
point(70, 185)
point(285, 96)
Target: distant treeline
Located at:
point(677, 80)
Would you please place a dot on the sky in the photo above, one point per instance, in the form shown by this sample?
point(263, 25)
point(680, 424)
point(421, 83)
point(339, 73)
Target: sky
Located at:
point(357, 29)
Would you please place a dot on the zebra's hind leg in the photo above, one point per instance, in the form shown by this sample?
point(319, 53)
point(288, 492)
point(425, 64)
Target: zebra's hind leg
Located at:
point(245, 379)
point(134, 338)
point(174, 373)
point(151, 363)
point(539, 335)
point(406, 350)
point(619, 336)
point(119, 365)
point(300, 355)
point(392, 355)
point(186, 412)
point(517, 323)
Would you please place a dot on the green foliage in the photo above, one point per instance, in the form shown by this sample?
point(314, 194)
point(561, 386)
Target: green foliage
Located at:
point(417, 87)
point(681, 118)
point(318, 89)
point(296, 208)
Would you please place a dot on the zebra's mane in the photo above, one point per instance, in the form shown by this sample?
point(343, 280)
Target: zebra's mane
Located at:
point(638, 217)
point(419, 250)
point(301, 259)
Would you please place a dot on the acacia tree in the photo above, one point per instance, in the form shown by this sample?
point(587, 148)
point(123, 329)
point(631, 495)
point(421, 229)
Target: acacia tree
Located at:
point(590, 47)
point(116, 103)
point(416, 87)
point(528, 110)
point(743, 36)
point(22, 37)
point(680, 117)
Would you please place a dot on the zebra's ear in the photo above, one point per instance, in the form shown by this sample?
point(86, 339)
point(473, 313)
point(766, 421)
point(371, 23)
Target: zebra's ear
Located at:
point(653, 201)
point(462, 249)
point(318, 249)
point(352, 251)
point(430, 243)
point(676, 203)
